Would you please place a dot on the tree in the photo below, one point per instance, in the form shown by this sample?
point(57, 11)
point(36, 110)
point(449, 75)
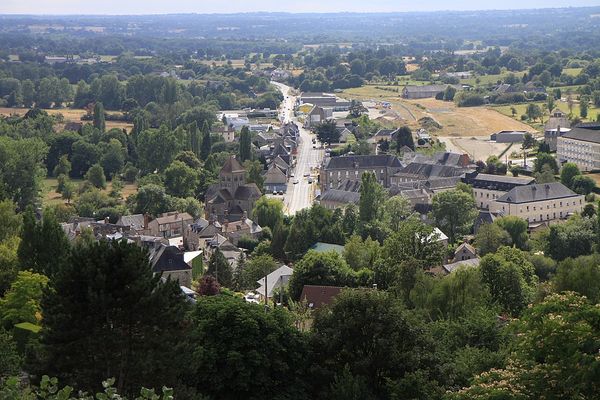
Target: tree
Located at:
point(328, 269)
point(156, 149)
point(454, 212)
point(403, 137)
point(44, 246)
point(208, 286)
point(245, 144)
point(533, 111)
point(99, 117)
point(361, 254)
point(254, 170)
point(581, 275)
point(181, 180)
point(256, 268)
point(516, 228)
point(11, 221)
point(490, 237)
point(555, 355)
point(95, 176)
point(545, 159)
point(449, 93)
point(113, 159)
point(510, 278)
point(550, 103)
point(583, 107)
point(219, 267)
point(206, 141)
point(114, 317)
point(390, 353)
point(10, 361)
point(583, 184)
point(327, 132)
point(529, 141)
point(572, 239)
point(268, 212)
point(63, 167)
point(84, 155)
point(195, 139)
point(371, 197)
point(224, 330)
point(151, 199)
point(567, 173)
point(22, 301)
point(28, 91)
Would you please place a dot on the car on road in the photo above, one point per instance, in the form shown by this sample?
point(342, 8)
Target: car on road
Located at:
point(292, 175)
point(310, 180)
point(306, 175)
point(296, 181)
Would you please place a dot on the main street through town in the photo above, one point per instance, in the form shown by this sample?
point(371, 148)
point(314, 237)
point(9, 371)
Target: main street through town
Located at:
point(308, 159)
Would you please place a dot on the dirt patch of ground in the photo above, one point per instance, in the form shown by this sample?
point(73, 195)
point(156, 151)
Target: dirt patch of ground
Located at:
point(69, 115)
point(477, 147)
point(465, 121)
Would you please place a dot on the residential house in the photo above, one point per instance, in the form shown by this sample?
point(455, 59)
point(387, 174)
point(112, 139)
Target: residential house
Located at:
point(539, 204)
point(230, 251)
point(487, 188)
point(275, 179)
point(231, 196)
point(170, 225)
point(226, 132)
point(581, 146)
point(237, 123)
point(335, 198)
point(137, 223)
point(416, 172)
point(464, 252)
point(200, 231)
point(317, 115)
point(351, 167)
point(170, 262)
point(234, 231)
point(451, 267)
point(316, 296)
point(274, 281)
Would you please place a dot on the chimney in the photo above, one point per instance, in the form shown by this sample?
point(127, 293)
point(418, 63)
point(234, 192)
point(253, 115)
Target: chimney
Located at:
point(245, 216)
point(146, 221)
point(106, 220)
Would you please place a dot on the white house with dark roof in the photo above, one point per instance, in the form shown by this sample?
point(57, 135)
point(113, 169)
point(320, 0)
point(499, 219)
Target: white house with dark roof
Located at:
point(540, 203)
point(351, 167)
point(487, 187)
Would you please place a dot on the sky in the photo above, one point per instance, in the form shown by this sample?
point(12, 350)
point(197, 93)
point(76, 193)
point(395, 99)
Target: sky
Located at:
point(117, 7)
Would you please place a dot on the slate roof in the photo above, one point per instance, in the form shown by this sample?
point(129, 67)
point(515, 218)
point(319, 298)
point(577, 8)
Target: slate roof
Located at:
point(135, 221)
point(232, 165)
point(168, 258)
point(247, 191)
point(473, 262)
point(425, 171)
point(360, 161)
point(341, 196)
point(275, 176)
point(537, 192)
point(514, 180)
point(173, 217)
point(321, 247)
point(586, 133)
point(275, 280)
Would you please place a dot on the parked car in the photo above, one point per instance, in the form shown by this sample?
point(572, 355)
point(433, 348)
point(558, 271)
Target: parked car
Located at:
point(274, 192)
point(281, 193)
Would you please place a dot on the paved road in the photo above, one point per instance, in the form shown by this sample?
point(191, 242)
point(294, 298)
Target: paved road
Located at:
point(300, 195)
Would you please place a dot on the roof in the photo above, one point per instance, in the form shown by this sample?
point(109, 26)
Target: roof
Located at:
point(247, 191)
point(360, 161)
point(321, 247)
point(473, 262)
point(173, 217)
point(232, 165)
point(319, 296)
point(425, 170)
point(275, 176)
point(341, 196)
point(467, 247)
point(168, 258)
point(426, 88)
point(135, 221)
point(275, 280)
point(511, 180)
point(537, 192)
point(585, 133)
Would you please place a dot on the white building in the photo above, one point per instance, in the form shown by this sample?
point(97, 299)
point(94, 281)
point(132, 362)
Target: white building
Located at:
point(581, 146)
point(540, 203)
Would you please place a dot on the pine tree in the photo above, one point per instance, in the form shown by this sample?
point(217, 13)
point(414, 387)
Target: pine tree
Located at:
point(99, 117)
point(220, 269)
point(245, 144)
point(44, 248)
point(139, 125)
point(206, 142)
point(113, 317)
point(194, 139)
point(404, 138)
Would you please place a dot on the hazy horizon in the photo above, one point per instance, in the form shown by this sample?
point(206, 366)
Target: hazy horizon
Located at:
point(138, 7)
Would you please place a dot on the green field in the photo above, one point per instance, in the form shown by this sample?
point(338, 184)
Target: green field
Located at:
point(50, 197)
point(593, 112)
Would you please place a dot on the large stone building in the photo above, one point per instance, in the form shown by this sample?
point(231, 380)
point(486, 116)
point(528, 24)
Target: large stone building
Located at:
point(558, 124)
point(487, 188)
point(539, 204)
point(581, 146)
point(232, 196)
point(351, 167)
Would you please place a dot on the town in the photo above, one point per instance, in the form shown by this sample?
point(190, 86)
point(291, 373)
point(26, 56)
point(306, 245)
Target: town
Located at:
point(300, 206)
